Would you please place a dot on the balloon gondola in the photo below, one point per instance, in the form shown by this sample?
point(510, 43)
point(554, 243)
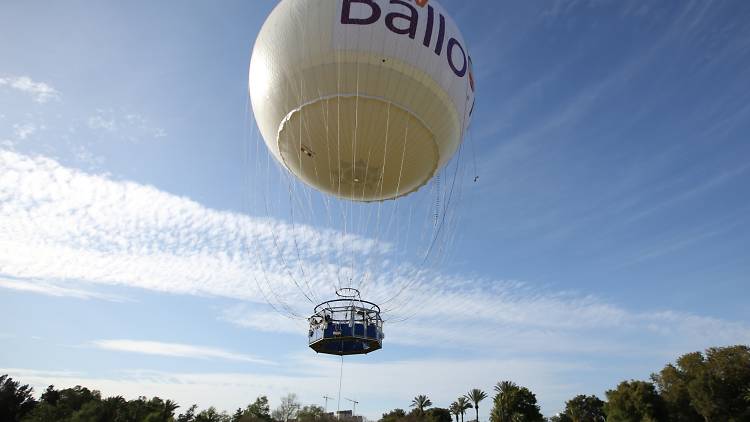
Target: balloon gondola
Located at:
point(346, 326)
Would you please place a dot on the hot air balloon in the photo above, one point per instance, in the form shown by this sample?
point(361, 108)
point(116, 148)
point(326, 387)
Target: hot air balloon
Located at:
point(363, 101)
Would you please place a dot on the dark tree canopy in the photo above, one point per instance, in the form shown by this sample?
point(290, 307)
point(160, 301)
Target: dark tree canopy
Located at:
point(475, 395)
point(513, 403)
point(393, 416)
point(16, 400)
point(257, 411)
point(583, 408)
point(462, 405)
point(708, 387)
point(438, 414)
point(79, 404)
point(212, 415)
point(189, 415)
point(313, 413)
point(635, 401)
point(672, 384)
point(455, 410)
point(420, 403)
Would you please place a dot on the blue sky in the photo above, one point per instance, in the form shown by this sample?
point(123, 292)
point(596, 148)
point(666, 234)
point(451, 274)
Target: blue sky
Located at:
point(608, 232)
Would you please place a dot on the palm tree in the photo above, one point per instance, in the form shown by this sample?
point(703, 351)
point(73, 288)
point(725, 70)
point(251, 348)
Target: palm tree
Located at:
point(421, 402)
point(504, 400)
point(455, 410)
point(463, 406)
point(169, 408)
point(476, 395)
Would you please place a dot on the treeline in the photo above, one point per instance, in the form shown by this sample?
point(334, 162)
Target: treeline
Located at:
point(713, 386)
point(710, 386)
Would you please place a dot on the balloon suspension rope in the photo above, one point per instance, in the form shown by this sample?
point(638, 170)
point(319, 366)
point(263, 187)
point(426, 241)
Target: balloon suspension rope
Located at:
point(474, 157)
point(341, 377)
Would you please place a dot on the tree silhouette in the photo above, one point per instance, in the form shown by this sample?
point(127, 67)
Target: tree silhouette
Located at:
point(635, 401)
point(513, 403)
point(212, 415)
point(476, 395)
point(711, 385)
point(438, 414)
point(453, 408)
point(463, 406)
point(583, 408)
point(189, 415)
point(16, 400)
point(421, 402)
point(393, 416)
point(312, 413)
point(259, 408)
point(287, 409)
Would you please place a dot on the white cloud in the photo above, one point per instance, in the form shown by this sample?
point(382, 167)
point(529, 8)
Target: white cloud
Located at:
point(174, 350)
point(268, 321)
point(23, 130)
point(39, 91)
point(99, 122)
point(85, 156)
point(130, 127)
point(58, 224)
point(54, 289)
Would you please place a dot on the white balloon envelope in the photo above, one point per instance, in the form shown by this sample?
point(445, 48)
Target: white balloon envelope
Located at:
point(362, 99)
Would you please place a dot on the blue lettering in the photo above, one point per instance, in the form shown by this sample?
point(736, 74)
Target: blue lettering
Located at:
point(407, 24)
point(451, 44)
point(346, 10)
point(412, 20)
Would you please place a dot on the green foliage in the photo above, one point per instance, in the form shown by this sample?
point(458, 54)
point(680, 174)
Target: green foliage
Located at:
point(435, 414)
point(259, 410)
point(313, 413)
point(635, 401)
point(583, 408)
point(16, 400)
point(189, 415)
point(462, 404)
point(711, 386)
point(455, 410)
point(438, 414)
point(393, 416)
point(50, 395)
point(79, 404)
point(476, 395)
point(420, 403)
point(672, 383)
point(513, 403)
point(212, 415)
